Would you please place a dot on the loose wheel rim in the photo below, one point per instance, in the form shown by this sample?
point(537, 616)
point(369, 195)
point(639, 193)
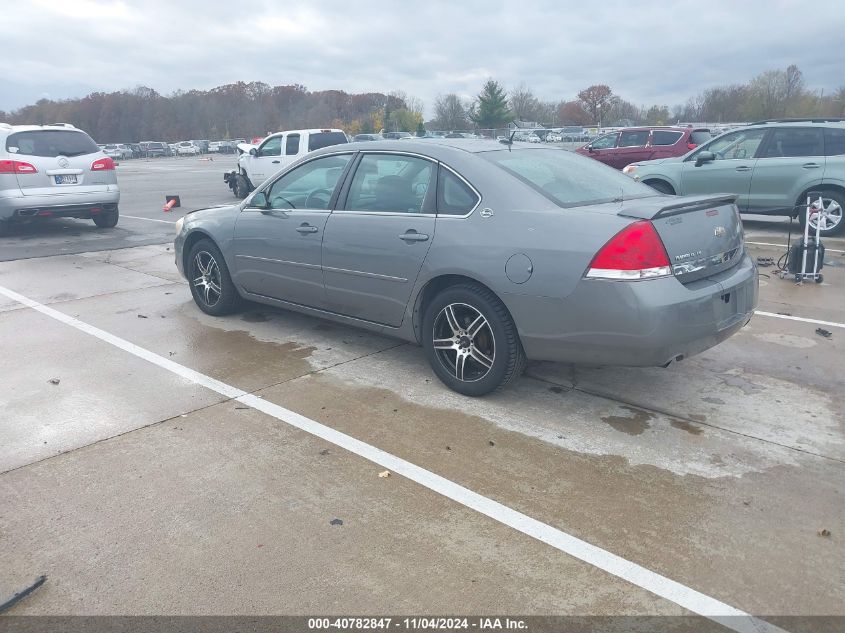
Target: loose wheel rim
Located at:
point(207, 280)
point(464, 342)
point(831, 215)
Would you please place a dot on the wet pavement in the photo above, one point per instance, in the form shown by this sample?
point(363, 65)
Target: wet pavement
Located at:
point(139, 491)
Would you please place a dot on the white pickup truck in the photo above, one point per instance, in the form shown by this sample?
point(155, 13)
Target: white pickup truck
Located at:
point(257, 163)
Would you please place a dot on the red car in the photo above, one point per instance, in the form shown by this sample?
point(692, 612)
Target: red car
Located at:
point(634, 144)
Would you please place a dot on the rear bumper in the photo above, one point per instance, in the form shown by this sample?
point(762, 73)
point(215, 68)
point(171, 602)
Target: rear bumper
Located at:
point(645, 323)
point(82, 205)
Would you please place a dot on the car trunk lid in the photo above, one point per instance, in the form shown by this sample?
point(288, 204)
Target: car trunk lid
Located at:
point(702, 234)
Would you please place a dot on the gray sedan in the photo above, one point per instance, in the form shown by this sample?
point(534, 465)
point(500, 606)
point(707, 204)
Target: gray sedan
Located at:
point(486, 254)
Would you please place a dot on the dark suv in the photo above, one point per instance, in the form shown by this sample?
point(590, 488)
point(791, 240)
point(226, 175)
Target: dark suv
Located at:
point(633, 144)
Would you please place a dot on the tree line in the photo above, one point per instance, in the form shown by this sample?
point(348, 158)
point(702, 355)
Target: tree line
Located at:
point(244, 110)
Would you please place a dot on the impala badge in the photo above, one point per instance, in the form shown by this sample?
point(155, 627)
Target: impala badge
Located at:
point(720, 231)
point(486, 213)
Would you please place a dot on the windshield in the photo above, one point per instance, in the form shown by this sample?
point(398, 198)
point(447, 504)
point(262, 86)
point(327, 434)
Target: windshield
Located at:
point(568, 179)
point(51, 143)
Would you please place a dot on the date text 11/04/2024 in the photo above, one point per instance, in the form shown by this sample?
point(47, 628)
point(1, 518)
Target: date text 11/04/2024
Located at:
point(416, 624)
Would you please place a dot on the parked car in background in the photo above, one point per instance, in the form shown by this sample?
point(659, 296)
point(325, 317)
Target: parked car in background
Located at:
point(112, 151)
point(396, 135)
point(214, 147)
point(171, 148)
point(348, 233)
point(629, 145)
point(367, 137)
point(275, 152)
point(49, 171)
point(187, 148)
point(202, 144)
point(154, 149)
point(771, 166)
point(574, 134)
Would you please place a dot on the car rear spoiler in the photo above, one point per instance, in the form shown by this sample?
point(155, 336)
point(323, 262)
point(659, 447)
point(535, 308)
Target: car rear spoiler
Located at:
point(676, 206)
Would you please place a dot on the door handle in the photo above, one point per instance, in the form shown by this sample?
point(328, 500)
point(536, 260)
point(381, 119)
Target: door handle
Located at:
point(743, 168)
point(306, 228)
point(276, 162)
point(811, 165)
point(413, 236)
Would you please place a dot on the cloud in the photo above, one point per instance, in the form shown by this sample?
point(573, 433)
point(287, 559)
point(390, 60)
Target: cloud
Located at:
point(648, 52)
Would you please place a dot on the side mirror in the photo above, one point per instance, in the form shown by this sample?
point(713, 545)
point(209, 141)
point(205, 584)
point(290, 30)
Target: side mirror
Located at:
point(590, 148)
point(253, 152)
point(259, 200)
point(704, 157)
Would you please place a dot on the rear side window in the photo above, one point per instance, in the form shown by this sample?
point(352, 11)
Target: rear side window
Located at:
point(794, 142)
point(664, 137)
point(50, 143)
point(633, 139)
point(700, 136)
point(834, 142)
point(454, 197)
point(292, 144)
point(389, 183)
point(324, 139)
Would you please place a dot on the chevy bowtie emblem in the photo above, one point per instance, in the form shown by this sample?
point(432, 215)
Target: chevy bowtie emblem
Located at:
point(720, 231)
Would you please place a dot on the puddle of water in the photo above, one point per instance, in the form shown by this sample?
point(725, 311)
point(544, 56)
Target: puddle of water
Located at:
point(686, 426)
point(635, 425)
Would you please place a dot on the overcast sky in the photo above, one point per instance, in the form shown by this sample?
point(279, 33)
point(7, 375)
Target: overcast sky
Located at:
point(647, 51)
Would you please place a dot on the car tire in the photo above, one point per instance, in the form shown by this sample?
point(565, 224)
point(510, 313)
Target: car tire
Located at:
point(241, 188)
point(834, 203)
point(470, 356)
point(107, 220)
point(662, 187)
point(208, 276)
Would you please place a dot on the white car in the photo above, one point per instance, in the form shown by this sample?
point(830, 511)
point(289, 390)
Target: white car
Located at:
point(186, 148)
point(214, 147)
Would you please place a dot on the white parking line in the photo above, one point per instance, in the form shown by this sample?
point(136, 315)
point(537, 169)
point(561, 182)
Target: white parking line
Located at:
point(789, 317)
point(135, 217)
point(675, 592)
point(783, 246)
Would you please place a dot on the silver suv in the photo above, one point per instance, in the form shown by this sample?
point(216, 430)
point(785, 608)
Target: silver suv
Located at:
point(49, 171)
point(771, 165)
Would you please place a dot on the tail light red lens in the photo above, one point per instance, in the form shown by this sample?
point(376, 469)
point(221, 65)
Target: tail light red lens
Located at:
point(102, 164)
point(16, 167)
point(691, 145)
point(636, 252)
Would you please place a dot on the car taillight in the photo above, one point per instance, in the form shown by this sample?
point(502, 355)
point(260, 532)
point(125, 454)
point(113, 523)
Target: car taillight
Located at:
point(102, 164)
point(636, 252)
point(691, 145)
point(16, 167)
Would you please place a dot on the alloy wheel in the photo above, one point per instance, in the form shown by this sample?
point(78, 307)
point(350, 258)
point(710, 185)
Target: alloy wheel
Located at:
point(464, 342)
point(830, 217)
point(207, 278)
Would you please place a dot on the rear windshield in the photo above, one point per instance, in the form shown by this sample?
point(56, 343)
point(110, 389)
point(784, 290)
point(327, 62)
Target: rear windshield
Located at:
point(51, 143)
point(324, 139)
point(700, 136)
point(155, 145)
point(568, 179)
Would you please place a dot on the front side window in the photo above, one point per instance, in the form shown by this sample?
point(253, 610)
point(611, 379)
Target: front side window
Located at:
point(292, 145)
point(568, 179)
point(794, 142)
point(391, 183)
point(454, 197)
point(737, 145)
point(271, 147)
point(309, 186)
point(635, 138)
point(665, 137)
point(604, 142)
point(50, 143)
point(834, 142)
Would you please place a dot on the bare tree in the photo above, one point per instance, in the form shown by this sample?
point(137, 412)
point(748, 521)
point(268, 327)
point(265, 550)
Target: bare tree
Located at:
point(450, 113)
point(524, 105)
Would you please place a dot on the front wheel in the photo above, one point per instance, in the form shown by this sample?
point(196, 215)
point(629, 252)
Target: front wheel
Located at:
point(241, 188)
point(471, 341)
point(211, 284)
point(831, 217)
point(106, 219)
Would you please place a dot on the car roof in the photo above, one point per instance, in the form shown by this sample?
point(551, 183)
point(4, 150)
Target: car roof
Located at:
point(818, 121)
point(48, 126)
point(437, 148)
